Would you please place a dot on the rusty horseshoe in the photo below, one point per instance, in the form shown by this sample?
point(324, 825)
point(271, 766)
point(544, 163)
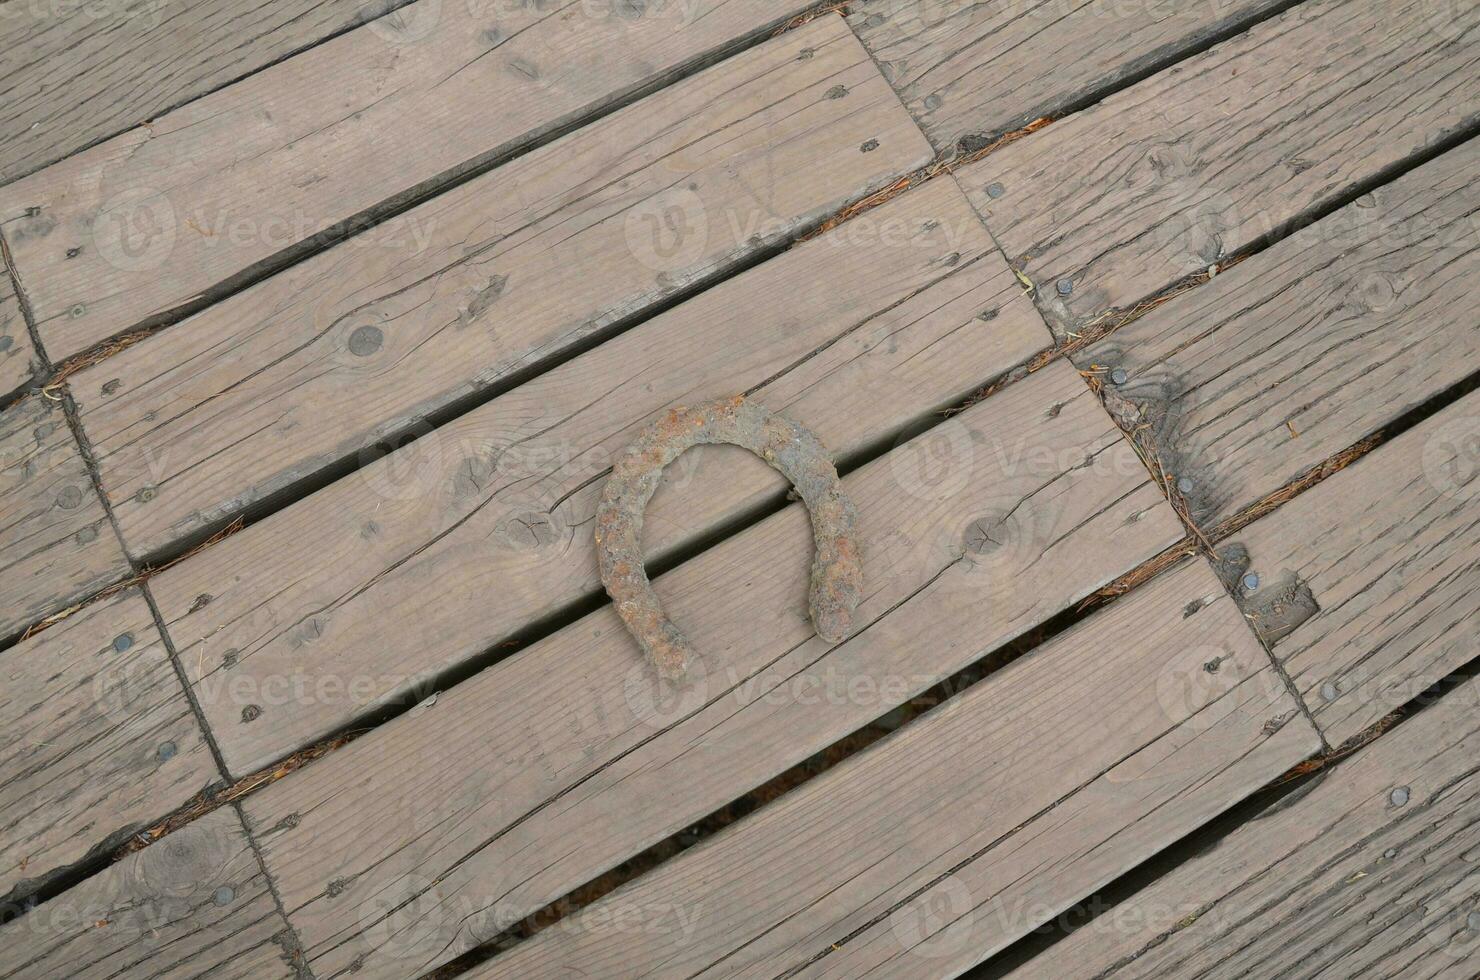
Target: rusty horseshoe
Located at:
point(837, 564)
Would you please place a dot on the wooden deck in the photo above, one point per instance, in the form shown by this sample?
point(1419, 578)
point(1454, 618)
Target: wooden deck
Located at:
point(1145, 339)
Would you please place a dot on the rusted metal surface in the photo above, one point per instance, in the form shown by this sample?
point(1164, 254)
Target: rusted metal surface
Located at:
point(837, 563)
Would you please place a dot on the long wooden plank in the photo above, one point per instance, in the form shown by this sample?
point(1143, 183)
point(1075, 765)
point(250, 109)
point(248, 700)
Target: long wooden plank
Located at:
point(146, 222)
point(56, 545)
point(969, 71)
point(314, 365)
point(466, 537)
point(1306, 348)
point(195, 904)
point(1369, 587)
point(1341, 880)
point(17, 353)
point(96, 738)
point(72, 74)
point(971, 827)
point(1180, 171)
point(554, 765)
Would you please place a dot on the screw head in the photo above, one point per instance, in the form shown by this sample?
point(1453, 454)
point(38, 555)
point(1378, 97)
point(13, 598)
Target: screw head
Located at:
point(1251, 581)
point(225, 895)
point(1329, 692)
point(1065, 287)
point(995, 190)
point(1473, 921)
point(1184, 485)
point(123, 641)
point(1118, 376)
point(167, 751)
point(1400, 796)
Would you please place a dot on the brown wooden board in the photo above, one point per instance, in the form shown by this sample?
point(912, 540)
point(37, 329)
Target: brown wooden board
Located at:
point(17, 353)
point(195, 201)
point(319, 363)
point(1341, 879)
point(1188, 167)
point(438, 830)
point(1386, 549)
point(969, 70)
point(972, 826)
point(72, 74)
point(194, 904)
point(468, 536)
point(1289, 358)
point(96, 738)
point(56, 545)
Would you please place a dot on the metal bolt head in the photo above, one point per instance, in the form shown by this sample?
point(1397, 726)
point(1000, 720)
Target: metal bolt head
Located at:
point(224, 895)
point(995, 190)
point(1400, 796)
point(1065, 287)
point(1184, 485)
point(123, 641)
point(1118, 376)
point(167, 751)
point(1473, 922)
point(1251, 581)
point(1329, 691)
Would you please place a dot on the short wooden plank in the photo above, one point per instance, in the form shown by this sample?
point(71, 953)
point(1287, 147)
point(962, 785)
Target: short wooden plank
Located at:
point(436, 831)
point(314, 365)
point(466, 537)
point(1386, 550)
point(195, 904)
point(96, 738)
point(974, 825)
point(72, 74)
point(1340, 880)
point(17, 353)
point(56, 545)
point(969, 71)
point(1176, 173)
point(200, 197)
point(1303, 350)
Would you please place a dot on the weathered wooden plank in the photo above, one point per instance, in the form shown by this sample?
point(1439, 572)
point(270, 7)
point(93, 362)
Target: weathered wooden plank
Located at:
point(1386, 550)
point(971, 70)
point(194, 201)
point(17, 353)
point(1193, 164)
point(1340, 880)
point(72, 74)
point(971, 827)
point(1296, 354)
point(96, 738)
point(195, 904)
point(466, 537)
point(554, 765)
point(316, 364)
point(55, 542)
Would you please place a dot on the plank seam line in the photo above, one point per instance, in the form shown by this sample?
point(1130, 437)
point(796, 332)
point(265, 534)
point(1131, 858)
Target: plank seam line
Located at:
point(300, 955)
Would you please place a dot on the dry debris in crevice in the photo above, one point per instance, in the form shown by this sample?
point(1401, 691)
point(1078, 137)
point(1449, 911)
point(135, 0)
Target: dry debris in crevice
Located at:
point(1319, 762)
point(808, 16)
point(52, 388)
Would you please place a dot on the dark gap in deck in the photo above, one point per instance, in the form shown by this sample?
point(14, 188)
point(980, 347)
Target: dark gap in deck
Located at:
point(1286, 790)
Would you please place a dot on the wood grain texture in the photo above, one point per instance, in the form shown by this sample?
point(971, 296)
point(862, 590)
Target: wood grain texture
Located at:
point(1289, 358)
point(971, 827)
point(464, 538)
point(56, 545)
point(1180, 171)
point(18, 362)
point(1336, 881)
point(968, 70)
point(433, 833)
point(1387, 549)
point(72, 74)
point(194, 904)
point(317, 364)
point(84, 708)
point(205, 195)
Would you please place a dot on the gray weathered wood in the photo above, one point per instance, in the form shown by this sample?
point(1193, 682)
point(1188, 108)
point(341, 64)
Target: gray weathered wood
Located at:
point(554, 765)
point(56, 545)
point(1174, 174)
point(1301, 351)
point(1337, 881)
point(194, 904)
point(314, 365)
point(72, 74)
point(17, 353)
point(85, 707)
point(972, 826)
point(1387, 549)
point(971, 69)
point(466, 537)
point(201, 196)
